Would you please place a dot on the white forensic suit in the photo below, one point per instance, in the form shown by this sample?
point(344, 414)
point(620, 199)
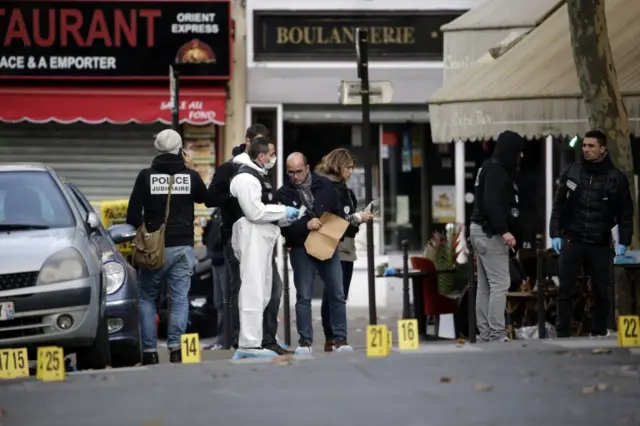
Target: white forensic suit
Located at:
point(253, 239)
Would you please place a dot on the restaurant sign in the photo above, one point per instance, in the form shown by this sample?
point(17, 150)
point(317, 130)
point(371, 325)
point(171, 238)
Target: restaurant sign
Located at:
point(312, 35)
point(113, 39)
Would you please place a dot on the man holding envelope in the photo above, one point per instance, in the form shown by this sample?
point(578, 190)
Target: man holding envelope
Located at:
point(313, 240)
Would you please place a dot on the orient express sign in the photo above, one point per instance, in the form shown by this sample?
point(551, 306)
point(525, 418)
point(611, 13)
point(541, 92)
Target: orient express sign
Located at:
point(330, 36)
point(114, 39)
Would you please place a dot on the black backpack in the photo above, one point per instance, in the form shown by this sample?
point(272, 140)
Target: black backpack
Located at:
point(213, 236)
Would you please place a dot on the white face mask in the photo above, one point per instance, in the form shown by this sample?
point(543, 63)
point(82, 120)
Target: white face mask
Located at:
point(271, 163)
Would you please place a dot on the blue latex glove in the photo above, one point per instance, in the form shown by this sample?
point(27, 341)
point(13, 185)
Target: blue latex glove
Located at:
point(556, 243)
point(621, 249)
point(390, 271)
point(292, 213)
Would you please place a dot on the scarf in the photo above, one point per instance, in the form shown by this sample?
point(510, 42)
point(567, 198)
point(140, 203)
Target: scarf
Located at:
point(304, 189)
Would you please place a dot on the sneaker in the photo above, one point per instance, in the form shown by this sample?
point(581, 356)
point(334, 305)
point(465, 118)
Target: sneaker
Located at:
point(243, 353)
point(277, 349)
point(214, 347)
point(304, 349)
point(175, 356)
point(504, 339)
point(481, 339)
point(341, 346)
point(328, 345)
point(150, 358)
point(600, 336)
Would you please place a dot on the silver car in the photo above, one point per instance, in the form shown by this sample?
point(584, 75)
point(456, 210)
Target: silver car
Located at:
point(52, 284)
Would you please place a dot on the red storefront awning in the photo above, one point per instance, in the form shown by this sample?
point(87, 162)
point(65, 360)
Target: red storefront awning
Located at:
point(105, 105)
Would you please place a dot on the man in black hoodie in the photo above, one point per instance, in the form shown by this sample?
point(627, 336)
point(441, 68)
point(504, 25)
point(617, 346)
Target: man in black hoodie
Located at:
point(592, 197)
point(493, 222)
point(147, 205)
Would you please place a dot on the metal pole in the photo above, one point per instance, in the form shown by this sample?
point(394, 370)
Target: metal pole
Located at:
point(540, 283)
point(406, 306)
point(175, 108)
point(471, 292)
point(287, 301)
point(363, 71)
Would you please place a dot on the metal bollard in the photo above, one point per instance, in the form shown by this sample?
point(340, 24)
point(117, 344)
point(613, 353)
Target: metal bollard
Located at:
point(472, 289)
point(286, 300)
point(541, 285)
point(406, 305)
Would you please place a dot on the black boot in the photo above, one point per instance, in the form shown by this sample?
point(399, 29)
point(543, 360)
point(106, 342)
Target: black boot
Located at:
point(175, 356)
point(150, 358)
point(277, 349)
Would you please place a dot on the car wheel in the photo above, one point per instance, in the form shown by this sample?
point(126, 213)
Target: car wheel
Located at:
point(98, 355)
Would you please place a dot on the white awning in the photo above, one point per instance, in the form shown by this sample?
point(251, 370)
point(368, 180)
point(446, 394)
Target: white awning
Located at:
point(533, 88)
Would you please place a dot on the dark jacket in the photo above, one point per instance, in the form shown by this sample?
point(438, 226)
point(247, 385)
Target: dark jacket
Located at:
point(496, 198)
point(326, 199)
point(149, 195)
point(220, 196)
point(349, 204)
point(212, 237)
point(590, 200)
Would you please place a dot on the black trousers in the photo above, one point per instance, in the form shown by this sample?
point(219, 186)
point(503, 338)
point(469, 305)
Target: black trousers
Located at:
point(597, 260)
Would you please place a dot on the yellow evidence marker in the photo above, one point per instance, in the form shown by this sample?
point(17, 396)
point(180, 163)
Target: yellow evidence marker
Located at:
point(408, 338)
point(629, 331)
point(14, 363)
point(50, 364)
point(378, 341)
point(190, 347)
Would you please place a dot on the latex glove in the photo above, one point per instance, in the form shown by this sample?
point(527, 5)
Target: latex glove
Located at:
point(390, 271)
point(621, 249)
point(556, 243)
point(292, 213)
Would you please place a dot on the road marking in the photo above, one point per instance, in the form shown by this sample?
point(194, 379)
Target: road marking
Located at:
point(440, 349)
point(583, 343)
point(267, 360)
point(108, 371)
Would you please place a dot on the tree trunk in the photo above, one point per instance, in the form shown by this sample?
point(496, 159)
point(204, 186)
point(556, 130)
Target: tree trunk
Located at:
point(599, 85)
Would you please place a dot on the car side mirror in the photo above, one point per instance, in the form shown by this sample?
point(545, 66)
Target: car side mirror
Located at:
point(122, 233)
point(93, 221)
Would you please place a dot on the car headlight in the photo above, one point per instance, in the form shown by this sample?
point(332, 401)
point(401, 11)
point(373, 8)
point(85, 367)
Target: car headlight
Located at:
point(115, 273)
point(65, 265)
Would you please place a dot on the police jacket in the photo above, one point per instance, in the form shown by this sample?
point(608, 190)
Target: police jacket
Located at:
point(325, 199)
point(252, 193)
point(149, 195)
point(592, 197)
point(496, 193)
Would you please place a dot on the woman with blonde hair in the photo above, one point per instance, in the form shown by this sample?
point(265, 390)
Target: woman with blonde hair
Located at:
point(338, 167)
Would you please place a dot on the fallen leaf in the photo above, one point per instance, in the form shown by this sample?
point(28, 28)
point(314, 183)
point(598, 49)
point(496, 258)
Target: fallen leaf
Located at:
point(587, 390)
point(447, 380)
point(460, 341)
point(602, 386)
point(480, 387)
point(153, 422)
point(601, 351)
point(284, 359)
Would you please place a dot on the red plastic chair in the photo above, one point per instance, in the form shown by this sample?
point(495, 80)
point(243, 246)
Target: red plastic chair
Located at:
point(434, 303)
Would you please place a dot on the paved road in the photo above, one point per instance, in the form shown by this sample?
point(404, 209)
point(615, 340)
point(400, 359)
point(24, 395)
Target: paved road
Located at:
point(442, 384)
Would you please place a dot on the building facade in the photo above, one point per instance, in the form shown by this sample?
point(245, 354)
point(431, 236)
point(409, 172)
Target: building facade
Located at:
point(297, 55)
point(84, 85)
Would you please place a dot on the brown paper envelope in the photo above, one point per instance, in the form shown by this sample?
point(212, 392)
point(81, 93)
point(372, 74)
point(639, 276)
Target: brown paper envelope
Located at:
point(322, 243)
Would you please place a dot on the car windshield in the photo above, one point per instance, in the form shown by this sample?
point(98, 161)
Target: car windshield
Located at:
point(32, 200)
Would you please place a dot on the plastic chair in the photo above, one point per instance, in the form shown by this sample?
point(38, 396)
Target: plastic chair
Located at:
point(434, 303)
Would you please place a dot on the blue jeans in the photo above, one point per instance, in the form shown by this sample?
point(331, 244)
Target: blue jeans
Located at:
point(304, 273)
point(176, 272)
point(347, 274)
